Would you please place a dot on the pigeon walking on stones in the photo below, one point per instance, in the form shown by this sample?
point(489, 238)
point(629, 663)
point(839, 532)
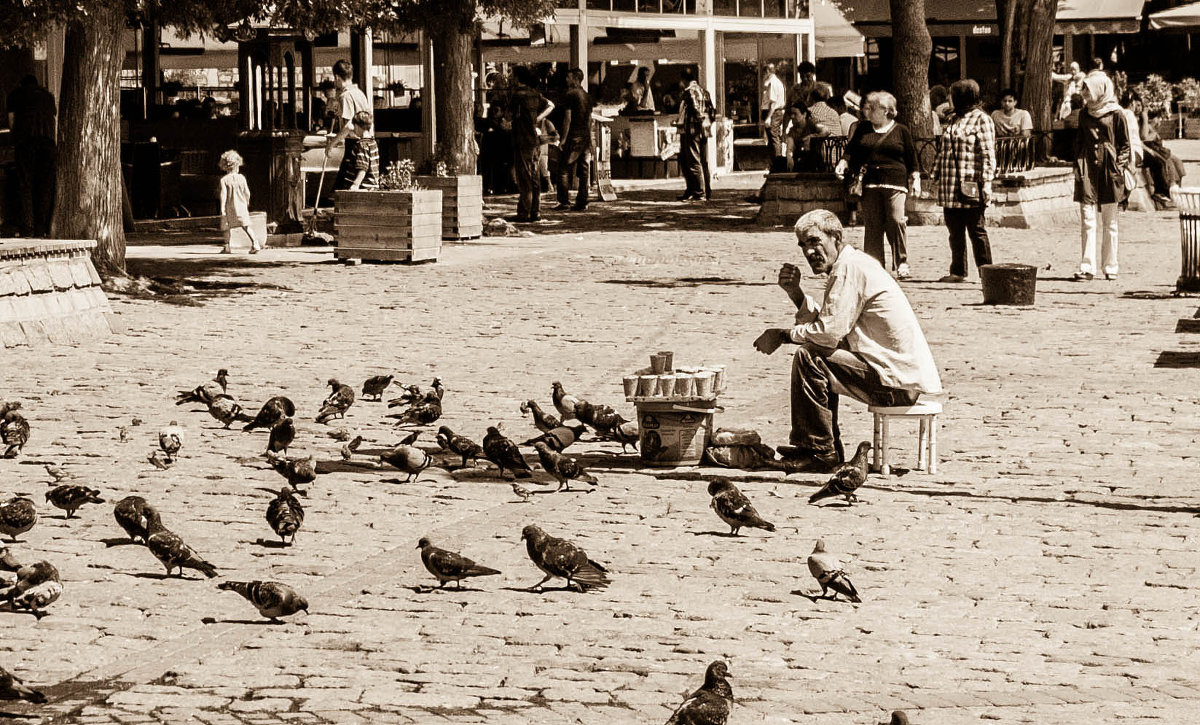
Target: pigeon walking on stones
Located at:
point(338, 402)
point(272, 411)
point(17, 515)
point(709, 705)
point(560, 558)
point(226, 410)
point(545, 422)
point(557, 439)
point(12, 688)
point(350, 447)
point(8, 562)
point(285, 515)
point(563, 468)
point(423, 412)
point(170, 440)
point(459, 445)
point(14, 430)
point(734, 508)
point(408, 459)
point(130, 513)
point(847, 477)
point(564, 402)
point(523, 493)
point(505, 454)
point(297, 471)
point(170, 549)
point(282, 435)
point(899, 717)
point(70, 497)
point(37, 587)
point(829, 573)
point(272, 599)
point(374, 386)
point(627, 434)
point(448, 566)
point(603, 419)
point(205, 393)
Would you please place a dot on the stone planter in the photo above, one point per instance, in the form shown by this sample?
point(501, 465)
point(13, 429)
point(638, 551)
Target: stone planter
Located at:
point(50, 293)
point(462, 204)
point(1008, 284)
point(388, 226)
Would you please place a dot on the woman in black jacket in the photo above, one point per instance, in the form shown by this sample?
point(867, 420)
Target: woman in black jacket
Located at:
point(1102, 153)
point(884, 150)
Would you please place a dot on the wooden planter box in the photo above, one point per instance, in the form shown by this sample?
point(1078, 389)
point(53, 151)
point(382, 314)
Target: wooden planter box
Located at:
point(388, 226)
point(462, 204)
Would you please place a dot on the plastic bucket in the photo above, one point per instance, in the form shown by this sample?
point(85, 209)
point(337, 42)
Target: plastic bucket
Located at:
point(673, 434)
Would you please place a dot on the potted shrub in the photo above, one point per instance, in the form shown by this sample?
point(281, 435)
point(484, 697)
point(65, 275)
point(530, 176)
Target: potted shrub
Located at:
point(1187, 99)
point(399, 222)
point(462, 198)
point(1158, 95)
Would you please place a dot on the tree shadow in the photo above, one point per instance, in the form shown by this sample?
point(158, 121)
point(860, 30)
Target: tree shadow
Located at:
point(269, 544)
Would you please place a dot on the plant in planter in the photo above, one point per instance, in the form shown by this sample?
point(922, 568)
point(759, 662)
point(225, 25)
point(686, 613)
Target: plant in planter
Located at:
point(1158, 95)
point(399, 222)
point(1187, 97)
point(462, 197)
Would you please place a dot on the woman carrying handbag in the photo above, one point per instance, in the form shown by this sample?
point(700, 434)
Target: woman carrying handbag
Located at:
point(882, 162)
point(966, 165)
point(1102, 155)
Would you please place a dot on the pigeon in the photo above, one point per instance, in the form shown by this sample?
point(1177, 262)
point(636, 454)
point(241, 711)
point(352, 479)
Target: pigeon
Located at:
point(297, 471)
point(7, 561)
point(170, 549)
point(458, 445)
point(412, 393)
point(205, 393)
point(627, 434)
point(899, 717)
point(12, 688)
point(130, 515)
point(14, 431)
point(272, 599)
point(409, 459)
point(226, 410)
point(273, 411)
point(56, 473)
point(375, 385)
point(563, 468)
point(350, 447)
point(563, 401)
point(339, 434)
point(557, 439)
point(37, 587)
point(338, 402)
point(710, 704)
point(734, 508)
point(170, 440)
point(505, 454)
point(158, 460)
point(70, 497)
point(602, 418)
point(282, 435)
point(410, 439)
point(847, 477)
point(423, 412)
point(448, 566)
point(561, 558)
point(521, 491)
point(829, 573)
point(17, 515)
point(544, 422)
point(285, 515)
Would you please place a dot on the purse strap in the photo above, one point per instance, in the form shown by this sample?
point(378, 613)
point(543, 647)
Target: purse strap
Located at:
point(875, 147)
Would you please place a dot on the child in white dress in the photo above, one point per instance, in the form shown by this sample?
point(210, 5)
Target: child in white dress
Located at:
point(235, 201)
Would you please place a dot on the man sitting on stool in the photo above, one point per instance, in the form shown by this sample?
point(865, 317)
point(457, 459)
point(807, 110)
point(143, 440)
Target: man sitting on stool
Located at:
point(863, 340)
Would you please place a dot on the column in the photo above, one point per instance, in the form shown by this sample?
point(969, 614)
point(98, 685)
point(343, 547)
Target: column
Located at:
point(708, 79)
point(428, 117)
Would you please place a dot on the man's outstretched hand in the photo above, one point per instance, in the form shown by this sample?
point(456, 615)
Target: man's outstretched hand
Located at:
point(769, 341)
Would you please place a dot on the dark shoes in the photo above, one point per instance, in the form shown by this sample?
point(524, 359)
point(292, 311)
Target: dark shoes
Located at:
point(804, 460)
point(953, 278)
point(562, 206)
point(1083, 277)
point(690, 197)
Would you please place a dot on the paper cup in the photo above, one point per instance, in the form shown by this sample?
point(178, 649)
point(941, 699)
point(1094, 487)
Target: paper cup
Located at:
point(685, 386)
point(658, 364)
point(718, 379)
point(666, 386)
point(704, 384)
point(646, 385)
point(670, 360)
point(631, 385)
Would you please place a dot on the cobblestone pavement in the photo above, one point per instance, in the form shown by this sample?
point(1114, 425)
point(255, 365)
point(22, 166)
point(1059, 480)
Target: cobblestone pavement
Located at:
point(1045, 574)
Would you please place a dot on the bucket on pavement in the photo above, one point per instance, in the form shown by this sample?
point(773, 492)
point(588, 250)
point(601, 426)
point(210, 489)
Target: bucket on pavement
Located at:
point(1187, 201)
point(674, 434)
point(1008, 284)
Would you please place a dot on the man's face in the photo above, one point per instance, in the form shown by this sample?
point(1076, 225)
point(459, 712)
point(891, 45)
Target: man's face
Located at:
point(1009, 104)
point(819, 249)
point(770, 69)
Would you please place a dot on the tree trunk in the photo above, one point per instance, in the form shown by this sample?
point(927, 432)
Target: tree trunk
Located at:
point(910, 64)
point(88, 201)
point(453, 45)
point(1006, 16)
point(1039, 51)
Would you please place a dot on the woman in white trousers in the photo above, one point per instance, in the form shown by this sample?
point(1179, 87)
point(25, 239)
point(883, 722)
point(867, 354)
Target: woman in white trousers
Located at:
point(1102, 153)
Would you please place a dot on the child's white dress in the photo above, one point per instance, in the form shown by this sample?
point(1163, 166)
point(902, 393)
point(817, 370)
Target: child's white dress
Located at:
point(236, 193)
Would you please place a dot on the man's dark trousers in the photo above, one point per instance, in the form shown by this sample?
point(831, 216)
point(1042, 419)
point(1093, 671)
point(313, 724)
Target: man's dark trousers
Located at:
point(529, 182)
point(689, 164)
point(35, 160)
point(962, 222)
point(814, 404)
point(573, 161)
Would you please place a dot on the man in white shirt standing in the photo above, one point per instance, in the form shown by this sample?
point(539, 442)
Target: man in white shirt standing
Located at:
point(862, 340)
point(773, 96)
point(352, 100)
point(1010, 120)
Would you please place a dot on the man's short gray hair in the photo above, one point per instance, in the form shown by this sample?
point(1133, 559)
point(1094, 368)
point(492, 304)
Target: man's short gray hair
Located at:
point(823, 220)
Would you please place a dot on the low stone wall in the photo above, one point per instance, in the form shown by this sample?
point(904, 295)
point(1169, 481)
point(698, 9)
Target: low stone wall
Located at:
point(50, 293)
point(786, 197)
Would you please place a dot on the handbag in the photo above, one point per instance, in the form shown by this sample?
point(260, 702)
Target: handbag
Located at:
point(854, 190)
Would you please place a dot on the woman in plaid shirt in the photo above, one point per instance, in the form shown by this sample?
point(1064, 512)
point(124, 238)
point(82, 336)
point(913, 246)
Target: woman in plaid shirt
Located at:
point(966, 165)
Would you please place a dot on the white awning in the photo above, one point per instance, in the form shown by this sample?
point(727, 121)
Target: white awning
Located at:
point(836, 37)
point(1184, 16)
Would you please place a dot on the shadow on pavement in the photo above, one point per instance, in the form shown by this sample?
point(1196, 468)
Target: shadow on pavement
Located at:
point(649, 209)
point(1177, 359)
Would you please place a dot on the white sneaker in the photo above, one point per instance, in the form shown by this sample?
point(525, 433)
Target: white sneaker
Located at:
point(902, 271)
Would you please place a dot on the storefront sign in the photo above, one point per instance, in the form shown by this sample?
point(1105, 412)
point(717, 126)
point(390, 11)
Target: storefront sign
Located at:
point(983, 30)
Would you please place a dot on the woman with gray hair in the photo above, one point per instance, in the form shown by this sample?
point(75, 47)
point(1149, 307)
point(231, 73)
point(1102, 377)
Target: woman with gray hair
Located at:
point(882, 151)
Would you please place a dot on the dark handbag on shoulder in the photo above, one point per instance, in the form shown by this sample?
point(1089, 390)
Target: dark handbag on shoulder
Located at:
point(854, 190)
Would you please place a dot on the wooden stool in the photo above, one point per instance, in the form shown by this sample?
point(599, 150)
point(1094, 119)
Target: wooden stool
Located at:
point(927, 413)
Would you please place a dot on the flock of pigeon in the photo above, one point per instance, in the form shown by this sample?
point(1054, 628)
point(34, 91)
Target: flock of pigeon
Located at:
point(37, 585)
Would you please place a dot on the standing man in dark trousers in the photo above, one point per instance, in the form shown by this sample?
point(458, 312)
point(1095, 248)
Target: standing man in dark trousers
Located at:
point(694, 125)
point(577, 144)
point(526, 110)
point(31, 112)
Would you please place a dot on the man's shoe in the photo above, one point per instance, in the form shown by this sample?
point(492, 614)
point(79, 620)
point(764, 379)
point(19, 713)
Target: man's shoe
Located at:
point(579, 208)
point(1083, 277)
point(955, 278)
point(687, 197)
point(902, 271)
point(562, 206)
point(812, 464)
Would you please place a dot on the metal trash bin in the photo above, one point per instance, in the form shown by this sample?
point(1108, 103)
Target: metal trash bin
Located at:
point(1187, 201)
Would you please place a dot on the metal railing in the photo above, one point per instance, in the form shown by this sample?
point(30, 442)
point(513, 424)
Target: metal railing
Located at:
point(1014, 154)
point(729, 8)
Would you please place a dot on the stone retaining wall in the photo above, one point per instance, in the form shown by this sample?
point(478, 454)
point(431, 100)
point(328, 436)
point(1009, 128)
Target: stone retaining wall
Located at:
point(50, 293)
point(787, 196)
